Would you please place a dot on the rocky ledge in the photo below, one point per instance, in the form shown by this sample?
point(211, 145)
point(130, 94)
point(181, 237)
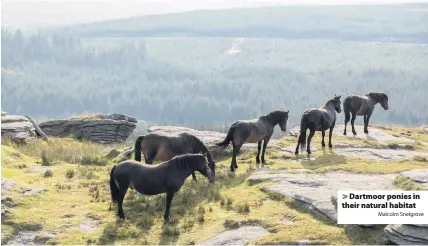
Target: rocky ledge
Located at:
point(114, 128)
point(19, 128)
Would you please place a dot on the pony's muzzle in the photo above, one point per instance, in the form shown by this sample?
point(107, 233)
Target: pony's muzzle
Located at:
point(211, 178)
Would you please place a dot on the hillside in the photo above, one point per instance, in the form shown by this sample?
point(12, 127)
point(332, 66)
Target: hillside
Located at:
point(64, 198)
point(398, 23)
point(206, 69)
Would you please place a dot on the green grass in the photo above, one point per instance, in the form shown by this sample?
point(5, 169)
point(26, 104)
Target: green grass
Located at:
point(78, 190)
point(405, 183)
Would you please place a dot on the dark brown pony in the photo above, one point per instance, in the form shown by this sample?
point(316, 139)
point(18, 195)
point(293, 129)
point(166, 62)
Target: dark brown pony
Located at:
point(362, 105)
point(254, 131)
point(163, 147)
point(318, 119)
point(167, 177)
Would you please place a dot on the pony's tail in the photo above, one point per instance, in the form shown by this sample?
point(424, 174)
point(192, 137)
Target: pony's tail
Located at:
point(228, 138)
point(137, 149)
point(303, 128)
point(114, 190)
point(346, 107)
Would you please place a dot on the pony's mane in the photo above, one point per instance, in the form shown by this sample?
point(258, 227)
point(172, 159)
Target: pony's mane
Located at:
point(197, 144)
point(329, 101)
point(276, 115)
point(377, 96)
point(187, 160)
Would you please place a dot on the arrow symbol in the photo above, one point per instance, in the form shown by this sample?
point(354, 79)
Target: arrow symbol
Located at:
point(344, 196)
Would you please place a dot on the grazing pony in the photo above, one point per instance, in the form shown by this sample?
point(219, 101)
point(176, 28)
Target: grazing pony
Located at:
point(318, 119)
point(167, 177)
point(254, 131)
point(163, 147)
point(362, 105)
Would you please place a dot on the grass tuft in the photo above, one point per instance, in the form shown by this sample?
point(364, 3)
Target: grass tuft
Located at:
point(48, 173)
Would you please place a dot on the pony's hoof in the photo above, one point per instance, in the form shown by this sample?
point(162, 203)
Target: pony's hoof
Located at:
point(355, 133)
point(330, 146)
point(344, 133)
point(366, 132)
point(258, 161)
point(323, 146)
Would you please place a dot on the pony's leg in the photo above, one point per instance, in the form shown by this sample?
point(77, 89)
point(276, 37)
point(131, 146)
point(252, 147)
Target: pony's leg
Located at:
point(232, 163)
point(298, 144)
point(366, 123)
point(238, 148)
point(120, 201)
point(150, 157)
point(308, 148)
point(330, 134)
point(265, 143)
point(194, 176)
point(354, 115)
point(322, 142)
point(259, 146)
point(347, 119)
point(169, 196)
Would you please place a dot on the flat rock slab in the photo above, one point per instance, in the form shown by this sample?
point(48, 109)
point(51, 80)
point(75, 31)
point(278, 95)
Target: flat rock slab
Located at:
point(239, 236)
point(32, 191)
point(317, 192)
point(417, 175)
point(7, 184)
point(379, 154)
point(31, 238)
point(40, 169)
point(374, 134)
point(89, 225)
point(407, 234)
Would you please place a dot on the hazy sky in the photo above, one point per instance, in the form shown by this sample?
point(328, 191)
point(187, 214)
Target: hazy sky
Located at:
point(43, 13)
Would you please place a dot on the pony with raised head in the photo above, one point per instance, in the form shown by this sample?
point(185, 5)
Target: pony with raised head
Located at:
point(318, 119)
point(167, 177)
point(362, 105)
point(163, 147)
point(254, 131)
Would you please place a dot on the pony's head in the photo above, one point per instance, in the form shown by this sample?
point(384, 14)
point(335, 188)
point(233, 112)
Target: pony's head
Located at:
point(205, 168)
point(337, 104)
point(384, 101)
point(283, 118)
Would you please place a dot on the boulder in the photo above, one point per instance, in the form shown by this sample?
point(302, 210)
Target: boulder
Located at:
point(417, 175)
point(17, 127)
point(113, 128)
point(111, 153)
point(407, 234)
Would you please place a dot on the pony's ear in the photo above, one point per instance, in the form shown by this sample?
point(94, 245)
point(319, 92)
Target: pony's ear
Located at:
point(287, 111)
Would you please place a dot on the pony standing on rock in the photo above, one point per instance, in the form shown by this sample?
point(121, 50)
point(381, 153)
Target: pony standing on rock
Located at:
point(318, 119)
point(162, 147)
point(254, 131)
point(167, 177)
point(362, 105)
